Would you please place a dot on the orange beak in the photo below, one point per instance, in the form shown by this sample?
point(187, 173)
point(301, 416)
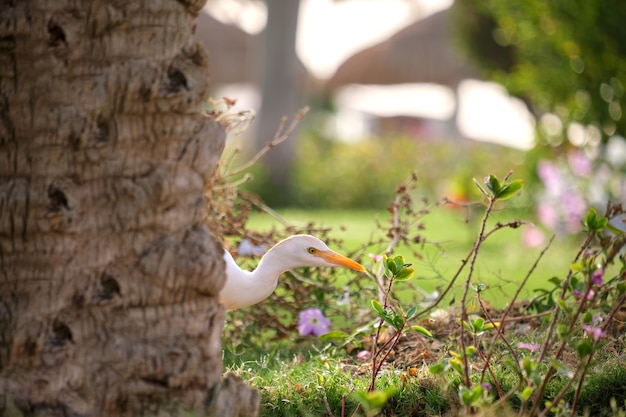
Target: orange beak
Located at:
point(340, 260)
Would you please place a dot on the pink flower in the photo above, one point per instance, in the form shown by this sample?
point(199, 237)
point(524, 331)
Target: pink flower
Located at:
point(595, 332)
point(532, 237)
point(596, 277)
point(547, 215)
point(579, 164)
point(579, 294)
point(549, 175)
point(364, 355)
point(375, 257)
point(528, 346)
point(312, 322)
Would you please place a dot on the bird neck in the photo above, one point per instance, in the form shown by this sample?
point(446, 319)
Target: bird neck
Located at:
point(272, 264)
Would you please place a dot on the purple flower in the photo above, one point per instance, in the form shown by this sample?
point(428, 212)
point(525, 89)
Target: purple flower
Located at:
point(312, 322)
point(486, 386)
point(528, 346)
point(579, 294)
point(579, 164)
point(596, 277)
point(550, 176)
point(574, 207)
point(595, 332)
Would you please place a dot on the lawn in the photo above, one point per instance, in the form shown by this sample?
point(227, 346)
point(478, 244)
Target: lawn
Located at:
point(299, 375)
point(502, 263)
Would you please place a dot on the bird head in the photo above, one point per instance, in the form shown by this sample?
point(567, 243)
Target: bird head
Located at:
point(307, 250)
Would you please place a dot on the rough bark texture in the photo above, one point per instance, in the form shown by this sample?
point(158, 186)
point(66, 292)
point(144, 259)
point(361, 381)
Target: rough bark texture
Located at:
point(108, 273)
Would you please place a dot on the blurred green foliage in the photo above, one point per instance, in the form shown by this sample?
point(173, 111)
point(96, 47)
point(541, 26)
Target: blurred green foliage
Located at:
point(566, 57)
point(331, 174)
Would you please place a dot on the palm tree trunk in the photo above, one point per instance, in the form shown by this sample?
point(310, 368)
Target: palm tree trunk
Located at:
point(108, 272)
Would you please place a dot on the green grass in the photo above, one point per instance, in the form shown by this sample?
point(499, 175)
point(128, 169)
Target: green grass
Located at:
point(502, 263)
point(311, 383)
point(302, 376)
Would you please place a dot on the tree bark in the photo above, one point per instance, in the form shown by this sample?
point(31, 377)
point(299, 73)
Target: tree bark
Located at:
point(108, 272)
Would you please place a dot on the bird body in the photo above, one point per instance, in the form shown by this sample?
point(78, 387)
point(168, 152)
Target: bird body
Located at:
point(245, 288)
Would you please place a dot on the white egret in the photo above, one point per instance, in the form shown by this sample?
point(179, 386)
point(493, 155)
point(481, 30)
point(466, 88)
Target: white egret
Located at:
point(245, 288)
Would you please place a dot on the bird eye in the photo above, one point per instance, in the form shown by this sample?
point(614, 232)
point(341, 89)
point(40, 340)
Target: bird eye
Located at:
point(312, 250)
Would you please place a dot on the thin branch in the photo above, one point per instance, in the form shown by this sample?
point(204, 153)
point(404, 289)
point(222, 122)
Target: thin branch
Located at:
point(474, 255)
point(280, 136)
point(505, 318)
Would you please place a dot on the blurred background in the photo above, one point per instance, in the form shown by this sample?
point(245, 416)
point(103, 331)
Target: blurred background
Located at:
point(449, 90)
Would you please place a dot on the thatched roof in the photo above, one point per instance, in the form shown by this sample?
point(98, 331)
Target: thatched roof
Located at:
point(233, 53)
point(423, 52)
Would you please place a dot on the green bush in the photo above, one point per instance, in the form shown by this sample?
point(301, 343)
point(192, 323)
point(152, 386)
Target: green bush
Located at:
point(331, 174)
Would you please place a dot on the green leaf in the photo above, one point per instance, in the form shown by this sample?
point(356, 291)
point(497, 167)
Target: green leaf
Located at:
point(373, 401)
point(477, 324)
point(378, 306)
point(470, 351)
point(584, 348)
point(477, 393)
point(405, 274)
point(556, 281)
point(593, 222)
point(591, 219)
point(422, 331)
point(494, 185)
point(398, 321)
point(466, 396)
point(411, 312)
point(334, 336)
point(510, 189)
point(457, 365)
point(529, 366)
point(399, 261)
point(437, 368)
point(560, 368)
point(469, 397)
point(482, 190)
point(394, 320)
point(489, 326)
point(320, 379)
point(526, 393)
point(467, 326)
point(562, 305)
point(562, 330)
point(391, 265)
point(388, 273)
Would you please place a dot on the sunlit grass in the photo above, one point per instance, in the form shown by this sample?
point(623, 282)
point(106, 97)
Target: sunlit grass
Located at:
point(306, 378)
point(303, 376)
point(310, 383)
point(502, 263)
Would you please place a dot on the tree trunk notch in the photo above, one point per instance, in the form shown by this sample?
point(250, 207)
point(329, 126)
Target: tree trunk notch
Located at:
point(108, 272)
